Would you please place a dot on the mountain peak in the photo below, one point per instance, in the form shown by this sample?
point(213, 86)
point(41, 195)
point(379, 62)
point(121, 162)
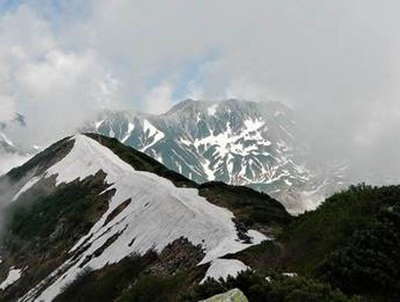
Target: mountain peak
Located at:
point(180, 106)
point(234, 141)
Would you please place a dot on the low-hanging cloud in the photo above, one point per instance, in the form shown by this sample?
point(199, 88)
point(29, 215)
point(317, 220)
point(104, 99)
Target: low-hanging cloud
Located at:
point(335, 62)
point(7, 108)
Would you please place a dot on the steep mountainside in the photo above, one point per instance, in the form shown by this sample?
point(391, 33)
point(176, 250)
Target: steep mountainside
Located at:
point(90, 203)
point(236, 142)
point(351, 242)
point(91, 219)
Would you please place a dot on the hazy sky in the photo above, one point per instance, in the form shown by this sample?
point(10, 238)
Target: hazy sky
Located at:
point(336, 62)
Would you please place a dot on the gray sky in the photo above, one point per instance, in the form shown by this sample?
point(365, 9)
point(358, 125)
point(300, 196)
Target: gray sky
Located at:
point(336, 62)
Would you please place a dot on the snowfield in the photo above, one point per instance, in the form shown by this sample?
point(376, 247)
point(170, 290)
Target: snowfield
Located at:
point(158, 214)
point(222, 268)
point(13, 275)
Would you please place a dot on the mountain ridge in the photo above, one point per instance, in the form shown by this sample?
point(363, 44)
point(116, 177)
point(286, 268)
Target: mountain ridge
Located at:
point(92, 219)
point(121, 208)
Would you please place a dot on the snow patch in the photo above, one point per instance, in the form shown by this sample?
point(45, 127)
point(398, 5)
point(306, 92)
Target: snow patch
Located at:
point(13, 275)
point(209, 172)
point(159, 214)
point(26, 187)
point(131, 127)
point(98, 124)
point(222, 268)
point(153, 134)
point(231, 141)
point(212, 109)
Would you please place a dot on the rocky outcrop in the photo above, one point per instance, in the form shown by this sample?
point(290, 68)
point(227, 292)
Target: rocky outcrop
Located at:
point(234, 295)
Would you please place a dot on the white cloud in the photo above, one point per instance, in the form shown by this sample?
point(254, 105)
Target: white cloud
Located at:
point(56, 85)
point(7, 108)
point(159, 99)
point(335, 61)
point(9, 161)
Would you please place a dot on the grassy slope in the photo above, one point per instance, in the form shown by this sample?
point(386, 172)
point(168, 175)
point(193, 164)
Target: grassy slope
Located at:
point(315, 234)
point(352, 241)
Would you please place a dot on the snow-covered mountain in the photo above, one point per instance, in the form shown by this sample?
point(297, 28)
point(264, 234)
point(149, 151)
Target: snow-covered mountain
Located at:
point(89, 201)
point(237, 142)
point(259, 145)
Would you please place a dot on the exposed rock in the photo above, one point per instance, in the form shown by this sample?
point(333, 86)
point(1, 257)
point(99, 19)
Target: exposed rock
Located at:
point(234, 295)
point(178, 255)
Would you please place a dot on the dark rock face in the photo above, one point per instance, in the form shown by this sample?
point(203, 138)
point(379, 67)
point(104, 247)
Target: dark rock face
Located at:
point(177, 256)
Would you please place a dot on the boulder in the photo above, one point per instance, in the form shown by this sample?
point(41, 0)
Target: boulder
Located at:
point(234, 295)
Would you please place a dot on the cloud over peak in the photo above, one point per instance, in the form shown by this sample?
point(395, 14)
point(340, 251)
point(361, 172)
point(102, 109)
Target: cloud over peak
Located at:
point(335, 62)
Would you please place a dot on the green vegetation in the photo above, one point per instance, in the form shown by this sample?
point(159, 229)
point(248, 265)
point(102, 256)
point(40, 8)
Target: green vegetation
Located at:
point(349, 246)
point(272, 288)
point(370, 258)
point(351, 242)
point(316, 234)
point(130, 280)
point(249, 206)
point(107, 284)
point(154, 288)
point(76, 206)
point(43, 225)
point(264, 256)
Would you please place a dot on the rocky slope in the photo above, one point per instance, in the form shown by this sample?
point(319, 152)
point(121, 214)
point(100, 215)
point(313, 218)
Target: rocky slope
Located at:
point(91, 203)
point(236, 142)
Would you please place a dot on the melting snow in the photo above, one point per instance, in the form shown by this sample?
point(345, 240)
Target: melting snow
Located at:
point(209, 172)
point(153, 133)
point(230, 141)
point(212, 109)
point(131, 127)
point(291, 275)
point(98, 124)
point(26, 187)
point(222, 268)
point(12, 277)
point(158, 214)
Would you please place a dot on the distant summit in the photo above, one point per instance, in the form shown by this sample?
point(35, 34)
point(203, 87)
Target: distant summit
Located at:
point(233, 141)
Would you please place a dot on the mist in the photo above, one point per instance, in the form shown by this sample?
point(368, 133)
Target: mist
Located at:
point(335, 63)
